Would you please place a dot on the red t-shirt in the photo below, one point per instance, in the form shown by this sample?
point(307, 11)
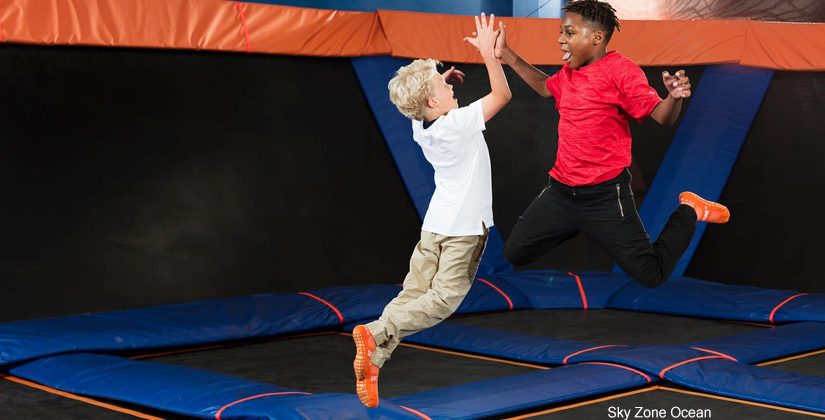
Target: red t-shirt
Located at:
point(596, 103)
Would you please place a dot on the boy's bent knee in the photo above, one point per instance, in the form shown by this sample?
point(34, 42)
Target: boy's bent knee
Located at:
point(516, 257)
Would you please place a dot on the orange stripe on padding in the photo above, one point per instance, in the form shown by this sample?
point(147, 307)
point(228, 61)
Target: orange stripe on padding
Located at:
point(590, 349)
point(715, 352)
point(786, 301)
point(218, 414)
point(581, 289)
point(662, 373)
point(245, 28)
point(498, 290)
point(340, 317)
point(422, 415)
point(82, 399)
point(619, 366)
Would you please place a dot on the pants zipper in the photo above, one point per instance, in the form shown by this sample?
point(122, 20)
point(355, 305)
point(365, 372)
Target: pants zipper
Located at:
point(619, 198)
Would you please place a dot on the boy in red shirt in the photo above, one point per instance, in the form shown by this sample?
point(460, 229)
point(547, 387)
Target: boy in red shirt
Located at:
point(597, 92)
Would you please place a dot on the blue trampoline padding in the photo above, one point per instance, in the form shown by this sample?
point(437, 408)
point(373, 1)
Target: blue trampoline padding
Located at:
point(197, 323)
point(546, 289)
point(505, 344)
point(691, 297)
point(769, 343)
point(753, 383)
point(357, 302)
point(193, 392)
point(177, 325)
point(374, 73)
point(702, 154)
point(492, 293)
point(512, 393)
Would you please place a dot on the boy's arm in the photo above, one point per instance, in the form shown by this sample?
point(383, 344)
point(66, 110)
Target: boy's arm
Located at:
point(531, 75)
point(485, 41)
point(678, 87)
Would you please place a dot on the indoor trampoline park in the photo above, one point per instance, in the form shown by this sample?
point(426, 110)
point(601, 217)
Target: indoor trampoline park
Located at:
point(204, 200)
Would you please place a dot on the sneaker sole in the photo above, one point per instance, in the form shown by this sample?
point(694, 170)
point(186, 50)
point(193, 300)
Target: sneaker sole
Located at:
point(725, 212)
point(363, 391)
point(360, 363)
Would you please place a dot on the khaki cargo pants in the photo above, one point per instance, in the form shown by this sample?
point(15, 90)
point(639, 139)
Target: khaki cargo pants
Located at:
point(442, 269)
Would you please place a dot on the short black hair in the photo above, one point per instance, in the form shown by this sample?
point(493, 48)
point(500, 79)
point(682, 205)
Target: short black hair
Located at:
point(596, 13)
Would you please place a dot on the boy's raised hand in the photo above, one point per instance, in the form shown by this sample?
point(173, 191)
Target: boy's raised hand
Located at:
point(484, 37)
point(452, 75)
point(501, 41)
point(678, 85)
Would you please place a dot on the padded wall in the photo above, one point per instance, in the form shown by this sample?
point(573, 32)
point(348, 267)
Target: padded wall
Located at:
point(774, 237)
point(143, 177)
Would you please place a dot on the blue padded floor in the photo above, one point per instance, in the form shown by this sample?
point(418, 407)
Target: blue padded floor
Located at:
point(607, 351)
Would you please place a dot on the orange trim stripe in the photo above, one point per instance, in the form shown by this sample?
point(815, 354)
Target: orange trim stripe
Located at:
point(798, 356)
point(749, 323)
point(340, 317)
point(510, 302)
point(218, 414)
point(472, 356)
point(82, 399)
point(786, 301)
point(662, 373)
point(619, 366)
point(581, 289)
point(245, 28)
point(715, 352)
point(590, 349)
point(584, 403)
point(422, 415)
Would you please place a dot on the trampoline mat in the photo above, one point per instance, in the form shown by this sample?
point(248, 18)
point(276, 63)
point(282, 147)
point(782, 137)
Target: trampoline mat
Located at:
point(19, 401)
point(324, 364)
point(812, 364)
point(608, 326)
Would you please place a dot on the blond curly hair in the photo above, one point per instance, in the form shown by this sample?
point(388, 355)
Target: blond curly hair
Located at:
point(411, 87)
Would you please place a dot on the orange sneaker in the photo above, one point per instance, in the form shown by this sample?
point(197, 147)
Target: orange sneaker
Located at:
point(366, 373)
point(706, 211)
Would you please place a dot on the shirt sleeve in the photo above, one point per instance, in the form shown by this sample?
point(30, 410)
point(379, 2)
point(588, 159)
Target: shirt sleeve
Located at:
point(636, 96)
point(467, 120)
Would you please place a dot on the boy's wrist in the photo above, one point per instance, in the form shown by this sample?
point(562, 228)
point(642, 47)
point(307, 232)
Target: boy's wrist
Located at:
point(507, 54)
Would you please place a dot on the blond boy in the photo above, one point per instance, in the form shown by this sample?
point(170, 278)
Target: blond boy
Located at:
point(454, 232)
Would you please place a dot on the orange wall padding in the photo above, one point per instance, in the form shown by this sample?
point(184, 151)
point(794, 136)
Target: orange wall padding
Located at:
point(261, 28)
point(193, 24)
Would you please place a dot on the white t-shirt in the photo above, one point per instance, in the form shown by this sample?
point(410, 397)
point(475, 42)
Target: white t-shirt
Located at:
point(463, 199)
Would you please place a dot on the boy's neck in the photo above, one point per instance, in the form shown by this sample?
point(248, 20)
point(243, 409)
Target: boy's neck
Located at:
point(432, 115)
point(601, 53)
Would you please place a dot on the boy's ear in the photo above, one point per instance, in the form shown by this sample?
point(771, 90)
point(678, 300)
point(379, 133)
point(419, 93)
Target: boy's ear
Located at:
point(432, 103)
point(598, 37)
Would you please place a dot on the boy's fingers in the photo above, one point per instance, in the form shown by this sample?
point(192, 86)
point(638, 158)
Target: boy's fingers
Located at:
point(492, 20)
point(483, 21)
point(478, 25)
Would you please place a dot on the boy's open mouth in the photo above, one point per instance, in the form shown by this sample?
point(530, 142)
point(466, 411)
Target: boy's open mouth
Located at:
point(566, 56)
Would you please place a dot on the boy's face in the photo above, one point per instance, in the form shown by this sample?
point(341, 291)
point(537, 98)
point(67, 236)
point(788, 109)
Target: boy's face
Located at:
point(444, 99)
point(579, 41)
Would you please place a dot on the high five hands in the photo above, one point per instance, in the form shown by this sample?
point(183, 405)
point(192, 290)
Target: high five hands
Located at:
point(484, 38)
point(678, 85)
